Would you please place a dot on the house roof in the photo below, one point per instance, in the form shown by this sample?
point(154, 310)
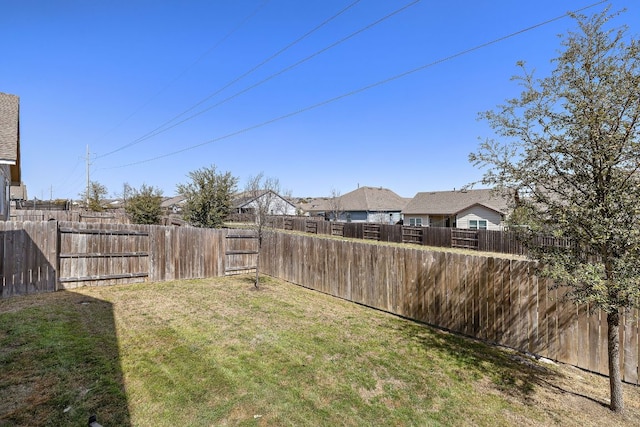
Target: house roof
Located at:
point(369, 199)
point(171, 201)
point(372, 199)
point(452, 202)
point(317, 204)
point(10, 134)
point(241, 200)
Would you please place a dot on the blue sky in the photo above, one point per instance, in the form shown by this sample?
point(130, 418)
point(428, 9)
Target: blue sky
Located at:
point(120, 76)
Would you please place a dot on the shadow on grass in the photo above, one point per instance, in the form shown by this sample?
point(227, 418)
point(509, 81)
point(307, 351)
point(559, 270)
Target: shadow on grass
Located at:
point(511, 372)
point(60, 362)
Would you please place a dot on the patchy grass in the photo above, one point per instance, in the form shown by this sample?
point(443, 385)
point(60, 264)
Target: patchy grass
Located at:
point(219, 352)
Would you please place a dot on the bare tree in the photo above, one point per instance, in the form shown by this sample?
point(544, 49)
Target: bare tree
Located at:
point(264, 198)
point(335, 205)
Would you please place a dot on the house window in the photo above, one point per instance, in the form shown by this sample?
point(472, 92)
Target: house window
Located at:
point(415, 222)
point(475, 224)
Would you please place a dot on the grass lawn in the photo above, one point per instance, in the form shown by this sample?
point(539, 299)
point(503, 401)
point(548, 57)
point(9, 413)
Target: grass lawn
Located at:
point(217, 352)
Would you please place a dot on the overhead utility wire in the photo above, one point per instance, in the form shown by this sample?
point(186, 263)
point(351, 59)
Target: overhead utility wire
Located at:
point(284, 70)
point(184, 71)
point(160, 129)
point(362, 89)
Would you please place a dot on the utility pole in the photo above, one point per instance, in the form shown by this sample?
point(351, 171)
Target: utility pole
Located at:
point(88, 164)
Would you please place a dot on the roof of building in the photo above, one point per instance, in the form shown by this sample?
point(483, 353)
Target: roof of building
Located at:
point(168, 202)
point(10, 133)
point(452, 202)
point(372, 199)
point(368, 199)
point(245, 198)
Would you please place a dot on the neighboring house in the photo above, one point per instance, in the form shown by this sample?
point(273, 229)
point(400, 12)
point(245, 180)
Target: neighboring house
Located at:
point(470, 209)
point(172, 205)
point(317, 206)
point(9, 149)
point(278, 205)
point(365, 204)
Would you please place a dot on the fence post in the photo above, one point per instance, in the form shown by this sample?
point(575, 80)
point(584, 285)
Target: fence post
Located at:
point(54, 235)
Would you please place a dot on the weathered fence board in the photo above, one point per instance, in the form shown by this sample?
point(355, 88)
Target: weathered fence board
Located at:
point(101, 254)
point(27, 257)
point(241, 252)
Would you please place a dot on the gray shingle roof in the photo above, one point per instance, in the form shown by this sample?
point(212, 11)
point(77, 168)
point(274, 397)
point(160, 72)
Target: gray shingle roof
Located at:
point(372, 199)
point(10, 133)
point(367, 199)
point(451, 202)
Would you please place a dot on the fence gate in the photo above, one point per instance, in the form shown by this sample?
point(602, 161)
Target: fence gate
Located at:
point(241, 252)
point(412, 235)
point(467, 239)
point(371, 231)
point(102, 256)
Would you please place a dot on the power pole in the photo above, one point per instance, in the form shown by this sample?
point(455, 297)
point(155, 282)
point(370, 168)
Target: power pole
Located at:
point(88, 165)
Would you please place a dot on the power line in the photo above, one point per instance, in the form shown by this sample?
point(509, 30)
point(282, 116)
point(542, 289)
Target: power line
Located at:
point(163, 127)
point(361, 89)
point(186, 69)
point(282, 71)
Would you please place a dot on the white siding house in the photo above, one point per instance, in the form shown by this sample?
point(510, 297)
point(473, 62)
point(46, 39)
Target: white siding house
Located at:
point(479, 217)
point(277, 205)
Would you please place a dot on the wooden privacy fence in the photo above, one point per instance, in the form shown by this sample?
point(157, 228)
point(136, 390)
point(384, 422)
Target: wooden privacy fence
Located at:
point(481, 240)
point(47, 256)
point(495, 299)
point(109, 217)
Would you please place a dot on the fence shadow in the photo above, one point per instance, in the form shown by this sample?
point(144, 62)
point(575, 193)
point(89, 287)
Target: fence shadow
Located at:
point(509, 371)
point(27, 266)
point(61, 362)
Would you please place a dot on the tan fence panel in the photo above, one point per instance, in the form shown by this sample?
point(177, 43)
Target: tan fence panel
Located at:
point(27, 257)
point(93, 254)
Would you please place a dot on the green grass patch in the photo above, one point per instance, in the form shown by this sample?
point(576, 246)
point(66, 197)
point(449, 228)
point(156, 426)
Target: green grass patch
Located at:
point(219, 352)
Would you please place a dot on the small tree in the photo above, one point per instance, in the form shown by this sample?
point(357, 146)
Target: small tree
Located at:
point(569, 160)
point(335, 205)
point(143, 206)
point(95, 198)
point(208, 197)
point(265, 201)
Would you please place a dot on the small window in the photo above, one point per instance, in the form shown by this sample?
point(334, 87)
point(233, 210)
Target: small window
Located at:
point(415, 222)
point(475, 224)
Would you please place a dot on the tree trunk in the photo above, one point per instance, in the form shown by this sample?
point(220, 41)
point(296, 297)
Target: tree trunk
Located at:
point(257, 283)
point(615, 381)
